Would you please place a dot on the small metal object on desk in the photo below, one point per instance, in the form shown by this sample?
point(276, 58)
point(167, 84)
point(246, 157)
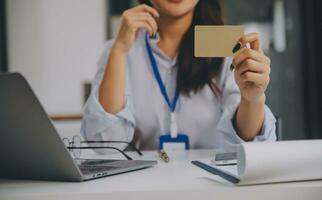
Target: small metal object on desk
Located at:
point(163, 155)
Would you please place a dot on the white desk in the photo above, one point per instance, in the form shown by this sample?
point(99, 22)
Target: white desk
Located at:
point(175, 180)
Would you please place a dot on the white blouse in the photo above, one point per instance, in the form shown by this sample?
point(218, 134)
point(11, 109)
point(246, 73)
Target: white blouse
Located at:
point(204, 117)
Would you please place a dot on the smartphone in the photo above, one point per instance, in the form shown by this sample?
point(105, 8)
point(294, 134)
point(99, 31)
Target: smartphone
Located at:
point(229, 158)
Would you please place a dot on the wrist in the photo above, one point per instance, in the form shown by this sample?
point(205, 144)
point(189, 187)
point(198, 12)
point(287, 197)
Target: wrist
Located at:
point(118, 49)
point(258, 102)
point(249, 118)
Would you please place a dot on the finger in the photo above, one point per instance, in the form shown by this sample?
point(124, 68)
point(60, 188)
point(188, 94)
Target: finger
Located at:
point(252, 66)
point(143, 24)
point(145, 8)
point(245, 53)
point(149, 19)
point(256, 78)
point(253, 40)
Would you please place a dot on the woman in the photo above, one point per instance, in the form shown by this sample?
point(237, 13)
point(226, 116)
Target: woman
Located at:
point(216, 107)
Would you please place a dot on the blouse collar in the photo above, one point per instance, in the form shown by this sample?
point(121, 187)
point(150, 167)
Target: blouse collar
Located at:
point(167, 62)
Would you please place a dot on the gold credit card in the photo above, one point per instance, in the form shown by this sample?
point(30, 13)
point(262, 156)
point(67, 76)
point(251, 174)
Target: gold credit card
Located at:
point(216, 41)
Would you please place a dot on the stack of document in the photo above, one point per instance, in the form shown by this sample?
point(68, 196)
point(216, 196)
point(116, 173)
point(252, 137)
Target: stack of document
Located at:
point(271, 162)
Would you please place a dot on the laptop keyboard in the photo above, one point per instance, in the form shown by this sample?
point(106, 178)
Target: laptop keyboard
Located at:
point(98, 166)
point(95, 166)
point(91, 169)
point(96, 162)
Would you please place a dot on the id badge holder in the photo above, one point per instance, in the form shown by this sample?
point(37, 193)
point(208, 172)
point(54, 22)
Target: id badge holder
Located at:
point(181, 142)
point(174, 140)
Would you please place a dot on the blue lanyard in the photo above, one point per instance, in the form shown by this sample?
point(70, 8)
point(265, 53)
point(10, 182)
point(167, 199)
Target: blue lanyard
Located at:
point(156, 72)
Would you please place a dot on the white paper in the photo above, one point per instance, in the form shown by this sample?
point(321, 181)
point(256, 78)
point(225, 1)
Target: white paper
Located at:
point(284, 161)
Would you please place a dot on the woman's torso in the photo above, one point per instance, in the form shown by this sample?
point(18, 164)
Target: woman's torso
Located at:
point(197, 115)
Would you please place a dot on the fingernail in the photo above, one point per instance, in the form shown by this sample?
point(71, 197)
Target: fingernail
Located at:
point(237, 47)
point(232, 67)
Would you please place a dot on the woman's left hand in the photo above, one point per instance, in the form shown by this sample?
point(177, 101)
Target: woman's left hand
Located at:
point(252, 69)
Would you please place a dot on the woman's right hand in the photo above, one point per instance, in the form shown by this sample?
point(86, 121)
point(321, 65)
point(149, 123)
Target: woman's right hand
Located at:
point(112, 87)
point(132, 20)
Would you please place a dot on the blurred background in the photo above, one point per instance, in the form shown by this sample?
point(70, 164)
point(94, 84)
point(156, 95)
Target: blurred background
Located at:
point(55, 44)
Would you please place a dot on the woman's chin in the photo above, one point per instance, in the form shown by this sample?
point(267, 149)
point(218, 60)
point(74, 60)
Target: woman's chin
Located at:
point(174, 8)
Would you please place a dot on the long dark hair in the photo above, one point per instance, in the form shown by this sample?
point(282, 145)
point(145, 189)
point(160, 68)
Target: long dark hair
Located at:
point(194, 73)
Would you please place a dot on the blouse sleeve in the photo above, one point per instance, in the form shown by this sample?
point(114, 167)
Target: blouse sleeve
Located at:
point(100, 125)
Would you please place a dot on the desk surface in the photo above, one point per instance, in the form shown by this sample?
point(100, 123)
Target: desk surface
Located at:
point(177, 179)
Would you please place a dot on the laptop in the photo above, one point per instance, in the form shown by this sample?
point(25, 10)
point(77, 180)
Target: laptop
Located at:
point(31, 148)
